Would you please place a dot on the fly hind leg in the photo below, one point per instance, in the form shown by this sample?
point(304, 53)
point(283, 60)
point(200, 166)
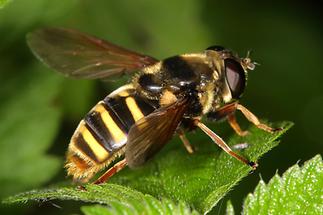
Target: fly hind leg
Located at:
point(110, 172)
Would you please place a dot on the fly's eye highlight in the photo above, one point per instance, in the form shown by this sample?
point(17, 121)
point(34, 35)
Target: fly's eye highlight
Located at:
point(235, 76)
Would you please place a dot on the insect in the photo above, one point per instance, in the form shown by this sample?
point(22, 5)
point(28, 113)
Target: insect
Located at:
point(163, 98)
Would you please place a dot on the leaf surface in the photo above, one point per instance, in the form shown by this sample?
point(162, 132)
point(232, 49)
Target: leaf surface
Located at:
point(298, 191)
point(200, 180)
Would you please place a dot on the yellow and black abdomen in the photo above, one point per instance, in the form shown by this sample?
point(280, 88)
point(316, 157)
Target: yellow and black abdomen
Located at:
point(102, 134)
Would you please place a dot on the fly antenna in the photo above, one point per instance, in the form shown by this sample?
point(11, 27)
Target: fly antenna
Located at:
point(247, 63)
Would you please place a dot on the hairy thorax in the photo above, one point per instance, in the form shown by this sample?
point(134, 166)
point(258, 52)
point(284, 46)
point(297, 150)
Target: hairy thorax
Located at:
point(192, 76)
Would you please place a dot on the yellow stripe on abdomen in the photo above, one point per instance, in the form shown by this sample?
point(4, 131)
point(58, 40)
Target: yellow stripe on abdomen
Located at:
point(116, 133)
point(134, 109)
point(98, 150)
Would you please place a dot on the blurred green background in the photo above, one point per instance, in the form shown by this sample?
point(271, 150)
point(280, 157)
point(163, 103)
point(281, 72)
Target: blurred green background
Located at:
point(39, 109)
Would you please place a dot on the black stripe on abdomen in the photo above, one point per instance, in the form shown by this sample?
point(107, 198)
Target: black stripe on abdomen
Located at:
point(106, 126)
point(83, 146)
point(119, 107)
point(130, 109)
point(88, 144)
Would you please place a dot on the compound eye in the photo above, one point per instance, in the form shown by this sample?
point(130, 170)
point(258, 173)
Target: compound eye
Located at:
point(235, 76)
point(216, 48)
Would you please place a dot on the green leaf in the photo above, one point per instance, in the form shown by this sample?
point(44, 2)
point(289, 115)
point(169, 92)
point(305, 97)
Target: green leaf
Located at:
point(203, 178)
point(97, 210)
point(148, 205)
point(230, 209)
point(121, 200)
point(29, 123)
point(3, 2)
point(200, 180)
point(298, 191)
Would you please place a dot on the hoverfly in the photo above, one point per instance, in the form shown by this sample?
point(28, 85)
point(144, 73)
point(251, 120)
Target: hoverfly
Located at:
point(163, 98)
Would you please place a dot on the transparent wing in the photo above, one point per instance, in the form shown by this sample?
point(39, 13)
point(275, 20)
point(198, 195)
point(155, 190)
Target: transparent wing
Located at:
point(82, 56)
point(152, 132)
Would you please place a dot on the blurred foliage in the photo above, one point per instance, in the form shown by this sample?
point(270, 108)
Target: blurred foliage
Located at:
point(23, 125)
point(201, 186)
point(3, 2)
point(285, 37)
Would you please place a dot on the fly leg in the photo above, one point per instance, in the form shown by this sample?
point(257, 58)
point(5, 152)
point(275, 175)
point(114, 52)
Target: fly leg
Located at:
point(218, 140)
point(185, 141)
point(253, 119)
point(228, 112)
point(110, 172)
point(234, 124)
